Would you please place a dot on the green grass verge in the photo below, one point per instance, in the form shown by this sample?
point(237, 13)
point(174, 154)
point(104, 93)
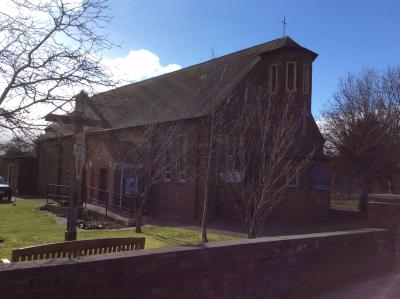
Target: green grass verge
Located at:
point(345, 204)
point(23, 225)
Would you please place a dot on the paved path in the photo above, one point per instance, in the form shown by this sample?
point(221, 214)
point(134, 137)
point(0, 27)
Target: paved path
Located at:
point(383, 287)
point(149, 221)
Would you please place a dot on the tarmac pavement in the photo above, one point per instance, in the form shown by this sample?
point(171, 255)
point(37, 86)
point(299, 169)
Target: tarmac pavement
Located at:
point(382, 287)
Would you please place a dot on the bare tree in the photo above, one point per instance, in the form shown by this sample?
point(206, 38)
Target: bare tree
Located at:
point(149, 153)
point(17, 146)
point(213, 83)
point(264, 151)
point(48, 49)
point(362, 126)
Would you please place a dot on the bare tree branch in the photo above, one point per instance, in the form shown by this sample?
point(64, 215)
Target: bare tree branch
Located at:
point(49, 50)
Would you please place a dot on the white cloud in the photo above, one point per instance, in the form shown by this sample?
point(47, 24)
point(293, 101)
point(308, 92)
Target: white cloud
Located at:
point(138, 65)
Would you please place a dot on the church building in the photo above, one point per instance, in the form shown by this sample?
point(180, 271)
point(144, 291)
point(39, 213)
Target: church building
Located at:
point(183, 97)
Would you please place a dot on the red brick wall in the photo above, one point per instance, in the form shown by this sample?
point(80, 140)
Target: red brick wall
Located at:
point(384, 212)
point(279, 267)
point(185, 200)
point(24, 174)
point(167, 199)
point(54, 162)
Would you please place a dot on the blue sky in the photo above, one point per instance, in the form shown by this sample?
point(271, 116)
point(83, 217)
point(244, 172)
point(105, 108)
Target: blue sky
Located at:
point(347, 35)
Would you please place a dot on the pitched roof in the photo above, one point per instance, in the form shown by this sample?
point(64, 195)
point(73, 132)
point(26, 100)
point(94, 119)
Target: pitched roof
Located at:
point(185, 93)
point(182, 94)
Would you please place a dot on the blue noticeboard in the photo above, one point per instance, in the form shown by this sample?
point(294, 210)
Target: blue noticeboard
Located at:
point(320, 178)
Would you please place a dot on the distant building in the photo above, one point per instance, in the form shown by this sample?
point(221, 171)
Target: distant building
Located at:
point(282, 63)
point(20, 171)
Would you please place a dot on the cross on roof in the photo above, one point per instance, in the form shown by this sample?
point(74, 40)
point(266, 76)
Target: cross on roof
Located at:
point(284, 26)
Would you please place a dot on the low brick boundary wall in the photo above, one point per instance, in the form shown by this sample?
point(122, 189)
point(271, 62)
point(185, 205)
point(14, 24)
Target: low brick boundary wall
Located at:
point(278, 267)
point(384, 212)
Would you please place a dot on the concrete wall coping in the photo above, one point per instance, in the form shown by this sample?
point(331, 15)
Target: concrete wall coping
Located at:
point(392, 203)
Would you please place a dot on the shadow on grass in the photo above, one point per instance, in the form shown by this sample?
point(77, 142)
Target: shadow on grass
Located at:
point(340, 215)
point(173, 241)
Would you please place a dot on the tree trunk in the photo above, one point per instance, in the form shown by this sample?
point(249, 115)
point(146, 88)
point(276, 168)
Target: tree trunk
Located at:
point(204, 238)
point(363, 204)
point(139, 216)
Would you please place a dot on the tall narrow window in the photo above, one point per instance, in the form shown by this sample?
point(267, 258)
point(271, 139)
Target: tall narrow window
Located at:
point(233, 174)
point(292, 177)
point(306, 79)
point(181, 144)
point(273, 78)
point(168, 163)
point(232, 161)
point(291, 76)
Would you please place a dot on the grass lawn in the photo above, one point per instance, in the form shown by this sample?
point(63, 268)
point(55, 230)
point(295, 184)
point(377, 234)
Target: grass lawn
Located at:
point(345, 204)
point(23, 225)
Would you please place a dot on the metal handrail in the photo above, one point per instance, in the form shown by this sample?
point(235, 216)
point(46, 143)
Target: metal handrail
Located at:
point(93, 199)
point(66, 186)
point(54, 195)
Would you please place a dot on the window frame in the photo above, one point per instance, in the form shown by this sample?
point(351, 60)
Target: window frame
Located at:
point(270, 78)
point(306, 79)
point(179, 172)
point(296, 178)
point(294, 76)
point(233, 171)
point(168, 151)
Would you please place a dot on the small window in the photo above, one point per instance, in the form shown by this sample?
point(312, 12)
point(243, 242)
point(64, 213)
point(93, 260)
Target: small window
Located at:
point(168, 163)
point(233, 176)
point(181, 144)
point(292, 178)
point(291, 76)
point(273, 78)
point(233, 173)
point(306, 79)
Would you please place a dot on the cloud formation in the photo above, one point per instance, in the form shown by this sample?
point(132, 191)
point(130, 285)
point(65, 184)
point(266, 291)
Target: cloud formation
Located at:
point(137, 65)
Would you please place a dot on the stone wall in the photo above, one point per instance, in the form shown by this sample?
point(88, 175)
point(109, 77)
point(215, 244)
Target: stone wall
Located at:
point(278, 267)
